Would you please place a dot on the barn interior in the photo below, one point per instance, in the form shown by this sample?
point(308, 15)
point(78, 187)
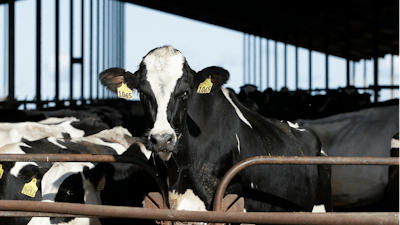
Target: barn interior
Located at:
point(354, 30)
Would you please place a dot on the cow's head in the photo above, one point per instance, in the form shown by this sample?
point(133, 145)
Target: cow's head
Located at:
point(165, 83)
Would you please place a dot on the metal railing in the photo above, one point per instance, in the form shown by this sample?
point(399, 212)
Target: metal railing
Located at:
point(19, 208)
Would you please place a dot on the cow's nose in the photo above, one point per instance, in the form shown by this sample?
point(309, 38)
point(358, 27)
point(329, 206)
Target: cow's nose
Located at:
point(161, 141)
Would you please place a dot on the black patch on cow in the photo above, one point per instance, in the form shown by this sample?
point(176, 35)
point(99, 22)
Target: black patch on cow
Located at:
point(71, 190)
point(194, 130)
point(90, 125)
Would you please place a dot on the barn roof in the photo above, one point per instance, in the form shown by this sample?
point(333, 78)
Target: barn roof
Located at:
point(344, 28)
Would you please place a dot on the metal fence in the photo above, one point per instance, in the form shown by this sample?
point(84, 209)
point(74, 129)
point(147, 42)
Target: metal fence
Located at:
point(20, 208)
point(101, 44)
point(260, 68)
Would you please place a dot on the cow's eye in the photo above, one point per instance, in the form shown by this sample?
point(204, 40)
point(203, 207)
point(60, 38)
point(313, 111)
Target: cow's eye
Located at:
point(70, 192)
point(183, 95)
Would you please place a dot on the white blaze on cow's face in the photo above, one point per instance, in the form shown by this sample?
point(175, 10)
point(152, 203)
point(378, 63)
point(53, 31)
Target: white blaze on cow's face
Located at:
point(164, 67)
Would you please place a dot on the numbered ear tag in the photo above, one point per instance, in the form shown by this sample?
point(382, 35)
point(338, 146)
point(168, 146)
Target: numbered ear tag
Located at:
point(30, 188)
point(125, 92)
point(102, 183)
point(1, 171)
point(205, 86)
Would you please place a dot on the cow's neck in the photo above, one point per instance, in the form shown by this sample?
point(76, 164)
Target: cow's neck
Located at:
point(206, 144)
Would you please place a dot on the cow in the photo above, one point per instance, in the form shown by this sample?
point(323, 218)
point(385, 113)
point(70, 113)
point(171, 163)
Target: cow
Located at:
point(364, 133)
point(200, 130)
point(90, 183)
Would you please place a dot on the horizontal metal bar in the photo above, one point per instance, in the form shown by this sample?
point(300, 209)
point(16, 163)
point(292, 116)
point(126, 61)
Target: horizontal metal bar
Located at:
point(36, 214)
point(309, 160)
point(178, 215)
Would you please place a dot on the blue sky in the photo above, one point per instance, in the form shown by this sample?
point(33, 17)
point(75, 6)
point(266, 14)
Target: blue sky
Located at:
point(202, 44)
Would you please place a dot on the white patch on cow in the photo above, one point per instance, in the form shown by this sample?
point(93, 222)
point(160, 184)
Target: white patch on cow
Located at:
point(56, 175)
point(116, 134)
point(295, 125)
point(144, 150)
point(323, 152)
point(53, 120)
point(238, 141)
point(394, 143)
point(164, 68)
point(237, 110)
point(319, 209)
point(187, 201)
point(54, 141)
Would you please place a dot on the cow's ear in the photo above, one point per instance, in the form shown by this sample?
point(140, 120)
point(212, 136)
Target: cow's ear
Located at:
point(216, 75)
point(114, 77)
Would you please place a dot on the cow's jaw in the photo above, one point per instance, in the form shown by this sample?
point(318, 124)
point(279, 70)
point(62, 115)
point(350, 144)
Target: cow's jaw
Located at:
point(164, 67)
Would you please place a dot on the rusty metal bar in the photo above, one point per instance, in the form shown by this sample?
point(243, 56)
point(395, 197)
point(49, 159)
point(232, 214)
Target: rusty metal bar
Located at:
point(219, 194)
point(178, 215)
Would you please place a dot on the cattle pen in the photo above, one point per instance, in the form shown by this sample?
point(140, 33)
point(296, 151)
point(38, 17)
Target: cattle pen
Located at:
point(282, 45)
point(221, 214)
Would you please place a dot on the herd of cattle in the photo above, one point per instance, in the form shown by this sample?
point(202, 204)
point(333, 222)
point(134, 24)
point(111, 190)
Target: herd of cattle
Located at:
point(191, 130)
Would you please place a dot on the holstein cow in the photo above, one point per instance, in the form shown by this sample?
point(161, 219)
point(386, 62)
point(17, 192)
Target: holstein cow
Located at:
point(89, 183)
point(206, 130)
point(364, 133)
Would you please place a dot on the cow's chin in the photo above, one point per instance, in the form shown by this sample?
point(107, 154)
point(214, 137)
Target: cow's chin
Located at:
point(164, 155)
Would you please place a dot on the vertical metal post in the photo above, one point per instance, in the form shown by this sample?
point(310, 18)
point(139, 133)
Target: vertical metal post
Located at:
point(285, 69)
point(297, 57)
point(365, 75)
point(248, 59)
point(267, 58)
point(326, 56)
point(104, 41)
point(347, 53)
point(11, 50)
point(276, 66)
point(391, 77)
point(260, 47)
point(57, 48)
point(38, 53)
point(354, 73)
point(82, 51)
point(375, 53)
point(71, 50)
point(91, 51)
point(255, 59)
point(98, 49)
point(244, 58)
point(310, 59)
point(5, 72)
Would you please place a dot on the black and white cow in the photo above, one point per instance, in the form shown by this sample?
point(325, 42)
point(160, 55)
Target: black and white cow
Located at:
point(206, 130)
point(121, 184)
point(364, 133)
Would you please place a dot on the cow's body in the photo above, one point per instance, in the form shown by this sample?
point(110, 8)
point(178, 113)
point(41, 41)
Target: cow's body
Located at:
point(125, 184)
point(365, 133)
point(208, 133)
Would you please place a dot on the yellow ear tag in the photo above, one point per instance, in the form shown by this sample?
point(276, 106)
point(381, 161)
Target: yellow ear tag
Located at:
point(1, 171)
point(125, 92)
point(30, 188)
point(102, 183)
point(205, 86)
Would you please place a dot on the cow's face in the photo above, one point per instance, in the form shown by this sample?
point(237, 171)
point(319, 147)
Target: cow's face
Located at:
point(162, 82)
point(66, 182)
point(165, 83)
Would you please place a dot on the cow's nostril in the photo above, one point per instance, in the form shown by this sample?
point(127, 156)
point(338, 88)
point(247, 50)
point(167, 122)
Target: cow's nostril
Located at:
point(161, 139)
point(153, 139)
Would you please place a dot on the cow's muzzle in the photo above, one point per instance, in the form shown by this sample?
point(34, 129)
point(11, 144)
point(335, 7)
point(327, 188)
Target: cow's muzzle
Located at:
point(163, 144)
